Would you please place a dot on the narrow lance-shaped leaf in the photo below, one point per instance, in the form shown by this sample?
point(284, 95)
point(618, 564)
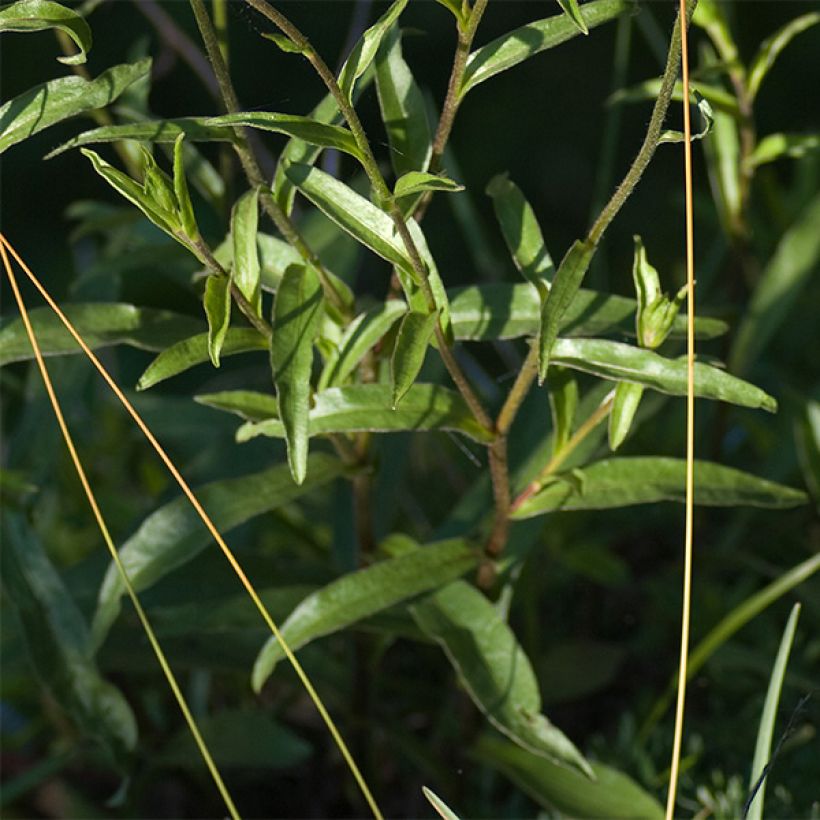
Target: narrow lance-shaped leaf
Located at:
point(57, 100)
point(417, 182)
point(57, 639)
point(403, 109)
point(564, 288)
point(563, 397)
point(611, 794)
point(709, 15)
point(320, 134)
point(359, 336)
point(184, 204)
point(246, 270)
point(624, 406)
point(775, 146)
point(360, 594)
point(361, 407)
point(622, 362)
point(772, 47)
point(154, 131)
point(174, 534)
point(494, 669)
point(218, 311)
point(38, 15)
point(573, 11)
point(717, 97)
point(297, 313)
point(707, 119)
point(722, 151)
point(443, 810)
point(365, 49)
point(621, 482)
point(101, 324)
point(415, 333)
point(518, 45)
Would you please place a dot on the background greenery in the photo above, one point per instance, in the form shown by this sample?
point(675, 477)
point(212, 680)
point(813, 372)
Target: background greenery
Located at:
point(597, 601)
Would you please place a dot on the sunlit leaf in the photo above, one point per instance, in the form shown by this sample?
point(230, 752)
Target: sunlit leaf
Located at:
point(415, 333)
point(360, 594)
point(443, 810)
point(184, 204)
point(245, 271)
point(218, 310)
point(624, 406)
point(573, 11)
point(417, 182)
point(38, 15)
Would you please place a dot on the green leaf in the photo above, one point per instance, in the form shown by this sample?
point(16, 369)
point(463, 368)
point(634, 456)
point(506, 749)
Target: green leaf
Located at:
point(775, 146)
point(611, 794)
point(623, 362)
point(38, 15)
point(297, 314)
point(563, 397)
point(246, 404)
point(493, 669)
point(218, 311)
point(717, 97)
point(306, 129)
point(722, 151)
point(457, 8)
point(786, 273)
point(174, 534)
point(573, 11)
point(656, 311)
point(771, 48)
point(283, 43)
point(508, 311)
point(403, 109)
point(417, 182)
point(622, 482)
point(57, 100)
point(765, 731)
point(100, 324)
point(624, 406)
point(365, 592)
point(516, 46)
point(564, 289)
point(709, 16)
point(807, 440)
point(415, 333)
point(362, 407)
point(707, 119)
point(359, 336)
point(186, 208)
point(522, 233)
point(195, 129)
point(443, 810)
point(366, 47)
point(246, 271)
point(57, 640)
point(197, 349)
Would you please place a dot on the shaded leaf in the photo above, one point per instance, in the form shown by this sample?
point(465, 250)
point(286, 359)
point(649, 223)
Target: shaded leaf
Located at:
point(563, 397)
point(195, 350)
point(717, 97)
point(771, 48)
point(246, 404)
point(297, 314)
point(320, 134)
point(611, 794)
point(57, 640)
point(368, 407)
point(360, 594)
point(57, 100)
point(246, 271)
point(622, 482)
point(795, 259)
point(417, 182)
point(573, 11)
point(186, 208)
point(775, 146)
point(623, 362)
point(564, 289)
point(516, 46)
point(807, 439)
point(218, 311)
point(624, 406)
point(38, 15)
point(359, 336)
point(707, 118)
point(195, 129)
point(709, 15)
point(174, 534)
point(101, 325)
point(722, 151)
point(507, 311)
point(493, 669)
point(364, 52)
point(403, 108)
point(414, 336)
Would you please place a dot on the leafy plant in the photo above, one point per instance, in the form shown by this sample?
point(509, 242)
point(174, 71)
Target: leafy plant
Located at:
point(308, 277)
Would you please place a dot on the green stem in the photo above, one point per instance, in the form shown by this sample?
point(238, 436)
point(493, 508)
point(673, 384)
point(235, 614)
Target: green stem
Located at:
point(653, 133)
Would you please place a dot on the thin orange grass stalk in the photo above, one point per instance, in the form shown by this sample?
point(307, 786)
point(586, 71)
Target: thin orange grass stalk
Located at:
point(690, 424)
point(211, 527)
point(106, 535)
